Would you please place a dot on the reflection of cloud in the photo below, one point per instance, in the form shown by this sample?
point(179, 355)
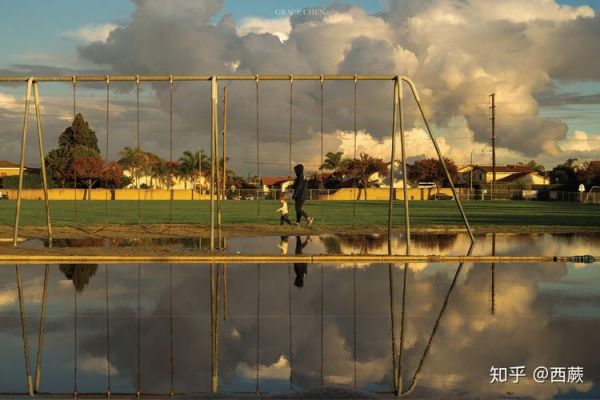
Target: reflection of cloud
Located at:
point(278, 370)
point(8, 297)
point(97, 365)
point(525, 328)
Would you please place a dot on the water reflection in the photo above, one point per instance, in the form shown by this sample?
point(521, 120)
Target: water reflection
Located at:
point(364, 244)
point(157, 328)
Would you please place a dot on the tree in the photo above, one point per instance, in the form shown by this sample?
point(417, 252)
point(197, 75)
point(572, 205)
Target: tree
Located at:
point(90, 169)
point(364, 167)
point(534, 165)
point(565, 174)
point(79, 274)
point(76, 141)
point(78, 134)
point(431, 170)
point(163, 173)
point(192, 164)
point(58, 164)
point(113, 174)
point(589, 174)
point(333, 161)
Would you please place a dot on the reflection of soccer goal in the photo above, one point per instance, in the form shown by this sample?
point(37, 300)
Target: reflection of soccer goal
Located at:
point(594, 198)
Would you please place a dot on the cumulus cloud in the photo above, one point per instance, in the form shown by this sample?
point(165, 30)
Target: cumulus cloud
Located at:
point(580, 141)
point(90, 33)
point(457, 52)
point(279, 27)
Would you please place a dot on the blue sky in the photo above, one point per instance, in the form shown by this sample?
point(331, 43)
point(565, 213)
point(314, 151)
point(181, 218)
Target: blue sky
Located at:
point(37, 27)
point(37, 35)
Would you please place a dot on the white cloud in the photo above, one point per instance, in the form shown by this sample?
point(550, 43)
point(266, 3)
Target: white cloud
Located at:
point(91, 33)
point(9, 103)
point(279, 27)
point(580, 141)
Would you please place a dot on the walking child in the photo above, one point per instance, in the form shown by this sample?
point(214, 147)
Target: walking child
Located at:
point(283, 210)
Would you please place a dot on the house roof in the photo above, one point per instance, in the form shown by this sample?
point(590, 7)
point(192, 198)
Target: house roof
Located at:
point(516, 177)
point(505, 168)
point(8, 164)
point(274, 180)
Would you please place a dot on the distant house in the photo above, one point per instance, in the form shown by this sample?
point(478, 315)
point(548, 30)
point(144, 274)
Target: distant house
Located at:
point(524, 178)
point(505, 174)
point(269, 183)
point(8, 168)
point(200, 183)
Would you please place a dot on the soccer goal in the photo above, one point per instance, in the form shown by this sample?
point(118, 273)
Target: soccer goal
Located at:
point(592, 195)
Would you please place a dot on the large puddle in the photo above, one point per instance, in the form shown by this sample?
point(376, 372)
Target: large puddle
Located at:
point(281, 327)
point(363, 244)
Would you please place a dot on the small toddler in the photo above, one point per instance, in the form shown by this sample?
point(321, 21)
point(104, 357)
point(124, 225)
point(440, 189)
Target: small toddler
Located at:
point(283, 210)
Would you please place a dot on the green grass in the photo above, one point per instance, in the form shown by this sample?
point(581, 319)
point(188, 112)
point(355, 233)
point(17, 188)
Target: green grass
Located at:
point(329, 213)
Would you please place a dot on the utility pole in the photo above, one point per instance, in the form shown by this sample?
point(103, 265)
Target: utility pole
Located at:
point(224, 140)
point(493, 107)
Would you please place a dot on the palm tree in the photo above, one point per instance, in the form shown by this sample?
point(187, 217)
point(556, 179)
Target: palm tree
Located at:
point(191, 165)
point(161, 171)
point(332, 161)
point(128, 156)
point(135, 160)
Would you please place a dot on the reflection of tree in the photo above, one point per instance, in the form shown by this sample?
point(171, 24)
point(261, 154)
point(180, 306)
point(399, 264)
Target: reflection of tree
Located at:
point(80, 274)
point(332, 244)
point(365, 243)
point(79, 242)
point(443, 241)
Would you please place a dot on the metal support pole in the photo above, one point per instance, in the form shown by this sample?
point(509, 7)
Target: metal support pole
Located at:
point(22, 163)
point(493, 288)
point(493, 107)
point(24, 332)
point(291, 349)
point(171, 344)
point(402, 325)
point(213, 81)
point(257, 329)
point(404, 169)
point(440, 156)
point(436, 325)
point(38, 118)
point(40, 345)
point(224, 140)
point(393, 328)
point(108, 366)
point(213, 329)
point(217, 177)
point(257, 145)
point(322, 332)
point(291, 124)
point(392, 159)
point(354, 156)
point(225, 307)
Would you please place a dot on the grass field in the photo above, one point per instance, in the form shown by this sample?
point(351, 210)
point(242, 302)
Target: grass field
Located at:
point(326, 213)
